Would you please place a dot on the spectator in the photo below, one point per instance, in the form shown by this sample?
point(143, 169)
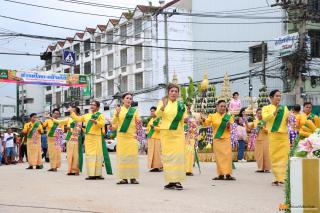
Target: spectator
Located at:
point(23, 149)
point(1, 149)
point(9, 147)
point(235, 104)
point(44, 146)
point(242, 138)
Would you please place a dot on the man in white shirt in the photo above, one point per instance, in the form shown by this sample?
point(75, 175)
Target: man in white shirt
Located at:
point(9, 147)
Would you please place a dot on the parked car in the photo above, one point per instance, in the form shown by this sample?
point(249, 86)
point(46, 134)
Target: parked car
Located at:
point(111, 144)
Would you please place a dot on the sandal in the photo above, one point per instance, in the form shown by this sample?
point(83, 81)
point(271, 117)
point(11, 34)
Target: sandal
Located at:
point(178, 186)
point(90, 178)
point(266, 171)
point(124, 181)
point(134, 181)
point(99, 178)
point(229, 177)
point(275, 183)
point(259, 171)
point(220, 177)
point(170, 186)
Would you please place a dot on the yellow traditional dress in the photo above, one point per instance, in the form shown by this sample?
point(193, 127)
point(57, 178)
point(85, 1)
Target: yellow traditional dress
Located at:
point(279, 143)
point(261, 149)
point(127, 143)
point(33, 132)
point(92, 142)
point(172, 142)
point(154, 145)
point(72, 143)
point(190, 143)
point(53, 148)
point(221, 146)
point(303, 117)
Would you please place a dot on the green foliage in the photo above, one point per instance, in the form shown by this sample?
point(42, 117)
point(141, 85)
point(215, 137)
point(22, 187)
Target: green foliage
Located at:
point(199, 88)
point(184, 94)
point(191, 91)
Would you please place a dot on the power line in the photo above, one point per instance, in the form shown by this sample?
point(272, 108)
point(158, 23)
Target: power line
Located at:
point(58, 9)
point(97, 4)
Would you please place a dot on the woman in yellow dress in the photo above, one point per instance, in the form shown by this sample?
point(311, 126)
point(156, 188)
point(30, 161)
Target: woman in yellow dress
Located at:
point(124, 120)
point(95, 146)
point(276, 118)
point(74, 142)
point(154, 146)
point(173, 114)
point(261, 149)
point(54, 148)
point(33, 131)
point(221, 126)
point(305, 115)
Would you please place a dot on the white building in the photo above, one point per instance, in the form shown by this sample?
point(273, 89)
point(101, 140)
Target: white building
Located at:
point(129, 56)
point(31, 99)
point(8, 107)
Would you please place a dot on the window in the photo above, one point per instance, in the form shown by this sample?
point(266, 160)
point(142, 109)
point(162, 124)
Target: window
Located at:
point(48, 88)
point(139, 81)
point(110, 64)
point(98, 68)
point(98, 42)
point(76, 69)
point(98, 90)
point(110, 87)
point(138, 54)
point(314, 5)
point(256, 53)
point(87, 68)
point(48, 64)
point(58, 58)
point(66, 96)
point(110, 39)
point(124, 84)
point(123, 33)
point(58, 98)
point(67, 70)
point(87, 47)
point(123, 58)
point(76, 49)
point(137, 27)
point(29, 101)
point(315, 43)
point(49, 99)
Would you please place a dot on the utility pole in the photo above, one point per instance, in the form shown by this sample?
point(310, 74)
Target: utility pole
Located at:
point(250, 83)
point(166, 67)
point(299, 15)
point(17, 113)
point(263, 48)
point(22, 103)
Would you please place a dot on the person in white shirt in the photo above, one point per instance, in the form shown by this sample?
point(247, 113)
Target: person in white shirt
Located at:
point(8, 140)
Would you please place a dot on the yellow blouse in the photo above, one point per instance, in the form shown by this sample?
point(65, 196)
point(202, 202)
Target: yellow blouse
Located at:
point(156, 134)
point(269, 117)
point(169, 113)
point(117, 122)
point(96, 129)
point(49, 123)
point(215, 120)
point(302, 118)
point(28, 127)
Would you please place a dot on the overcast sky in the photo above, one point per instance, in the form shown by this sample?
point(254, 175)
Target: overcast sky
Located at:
point(66, 19)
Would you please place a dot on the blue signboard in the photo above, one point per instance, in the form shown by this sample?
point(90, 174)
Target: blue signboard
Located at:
point(69, 58)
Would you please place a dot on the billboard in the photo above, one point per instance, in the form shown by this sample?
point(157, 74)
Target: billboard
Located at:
point(43, 78)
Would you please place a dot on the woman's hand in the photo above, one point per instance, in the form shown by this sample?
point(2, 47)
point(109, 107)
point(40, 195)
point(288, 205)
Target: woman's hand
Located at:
point(118, 109)
point(164, 103)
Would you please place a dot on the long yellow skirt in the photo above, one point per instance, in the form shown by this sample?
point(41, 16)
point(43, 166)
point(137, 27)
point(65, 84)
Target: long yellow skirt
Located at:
point(93, 154)
point(189, 151)
point(72, 156)
point(54, 154)
point(127, 157)
point(279, 146)
point(223, 155)
point(261, 154)
point(173, 155)
point(34, 152)
point(154, 154)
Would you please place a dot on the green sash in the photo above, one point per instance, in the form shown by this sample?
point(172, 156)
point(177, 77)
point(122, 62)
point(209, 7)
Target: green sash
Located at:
point(260, 124)
point(72, 125)
point(34, 128)
point(311, 117)
point(278, 119)
point(103, 144)
point(127, 120)
point(53, 129)
point(175, 123)
point(155, 123)
point(80, 152)
point(89, 124)
point(222, 126)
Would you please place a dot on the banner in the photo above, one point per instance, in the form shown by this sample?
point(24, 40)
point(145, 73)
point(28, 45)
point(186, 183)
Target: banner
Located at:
point(42, 78)
point(86, 91)
point(288, 44)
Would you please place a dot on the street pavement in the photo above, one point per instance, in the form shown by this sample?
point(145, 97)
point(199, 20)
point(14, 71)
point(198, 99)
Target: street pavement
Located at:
point(40, 191)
